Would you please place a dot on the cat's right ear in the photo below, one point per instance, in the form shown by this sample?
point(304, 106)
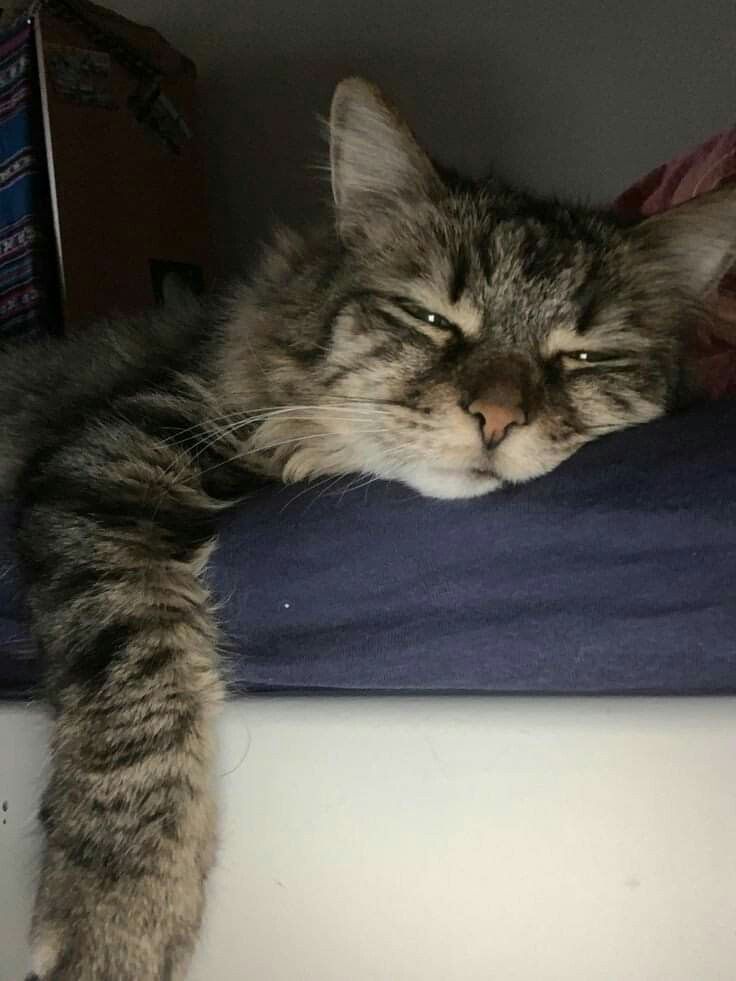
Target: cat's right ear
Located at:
point(376, 164)
point(695, 240)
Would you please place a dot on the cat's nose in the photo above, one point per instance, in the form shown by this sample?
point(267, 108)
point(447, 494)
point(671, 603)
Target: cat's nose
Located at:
point(496, 420)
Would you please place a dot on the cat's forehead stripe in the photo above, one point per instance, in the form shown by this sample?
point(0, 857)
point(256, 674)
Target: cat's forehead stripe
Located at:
point(459, 274)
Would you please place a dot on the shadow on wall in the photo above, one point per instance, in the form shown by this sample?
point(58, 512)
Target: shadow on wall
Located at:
point(577, 97)
point(268, 152)
point(267, 135)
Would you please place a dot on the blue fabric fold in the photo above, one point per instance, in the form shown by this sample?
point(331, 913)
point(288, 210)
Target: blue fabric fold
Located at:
point(614, 574)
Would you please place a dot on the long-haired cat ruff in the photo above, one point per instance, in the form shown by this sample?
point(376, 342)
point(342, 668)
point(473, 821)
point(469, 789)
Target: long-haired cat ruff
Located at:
point(451, 335)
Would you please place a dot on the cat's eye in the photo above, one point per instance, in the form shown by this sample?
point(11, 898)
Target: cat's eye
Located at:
point(428, 316)
point(588, 357)
point(435, 319)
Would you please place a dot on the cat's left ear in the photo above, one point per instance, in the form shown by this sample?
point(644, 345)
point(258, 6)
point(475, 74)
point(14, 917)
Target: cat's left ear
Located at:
point(376, 163)
point(696, 240)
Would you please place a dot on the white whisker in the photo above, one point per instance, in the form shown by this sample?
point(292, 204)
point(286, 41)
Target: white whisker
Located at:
point(284, 442)
point(295, 413)
point(330, 480)
point(263, 413)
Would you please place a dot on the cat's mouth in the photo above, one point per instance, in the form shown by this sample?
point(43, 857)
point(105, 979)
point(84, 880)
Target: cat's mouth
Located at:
point(451, 482)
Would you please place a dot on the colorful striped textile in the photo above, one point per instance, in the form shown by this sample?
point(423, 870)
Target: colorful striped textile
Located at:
point(28, 272)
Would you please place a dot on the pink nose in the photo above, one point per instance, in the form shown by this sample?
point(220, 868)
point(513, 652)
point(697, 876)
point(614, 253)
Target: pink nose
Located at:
point(496, 420)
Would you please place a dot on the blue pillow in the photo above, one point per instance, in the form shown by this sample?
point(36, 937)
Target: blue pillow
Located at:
point(616, 573)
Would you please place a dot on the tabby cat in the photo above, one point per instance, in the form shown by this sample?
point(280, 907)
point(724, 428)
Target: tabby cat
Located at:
point(451, 335)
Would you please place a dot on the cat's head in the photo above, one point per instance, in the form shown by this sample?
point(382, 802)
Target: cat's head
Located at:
point(480, 335)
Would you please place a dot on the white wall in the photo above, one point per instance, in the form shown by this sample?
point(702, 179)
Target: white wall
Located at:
point(576, 96)
point(446, 839)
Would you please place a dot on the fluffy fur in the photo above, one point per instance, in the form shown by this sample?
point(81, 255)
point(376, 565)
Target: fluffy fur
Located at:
point(380, 343)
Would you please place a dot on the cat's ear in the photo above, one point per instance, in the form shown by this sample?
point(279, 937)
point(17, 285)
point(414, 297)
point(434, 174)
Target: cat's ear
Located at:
point(696, 240)
point(375, 161)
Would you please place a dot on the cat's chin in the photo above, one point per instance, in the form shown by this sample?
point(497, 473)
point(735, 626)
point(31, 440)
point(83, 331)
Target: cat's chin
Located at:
point(451, 484)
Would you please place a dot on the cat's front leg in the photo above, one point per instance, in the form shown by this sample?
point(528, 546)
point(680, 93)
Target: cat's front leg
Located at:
point(129, 832)
point(124, 622)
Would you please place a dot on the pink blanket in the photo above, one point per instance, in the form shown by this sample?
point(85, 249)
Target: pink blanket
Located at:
point(705, 168)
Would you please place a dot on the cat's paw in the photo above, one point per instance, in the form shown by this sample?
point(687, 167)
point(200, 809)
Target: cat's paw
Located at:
point(91, 956)
point(133, 929)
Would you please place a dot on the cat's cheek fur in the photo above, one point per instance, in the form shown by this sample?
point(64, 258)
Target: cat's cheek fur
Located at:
point(529, 452)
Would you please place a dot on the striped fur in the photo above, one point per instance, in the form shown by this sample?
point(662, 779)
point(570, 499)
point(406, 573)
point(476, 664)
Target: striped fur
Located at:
point(356, 348)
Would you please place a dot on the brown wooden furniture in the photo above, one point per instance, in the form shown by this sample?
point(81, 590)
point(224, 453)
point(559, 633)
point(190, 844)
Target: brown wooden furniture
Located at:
point(127, 206)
